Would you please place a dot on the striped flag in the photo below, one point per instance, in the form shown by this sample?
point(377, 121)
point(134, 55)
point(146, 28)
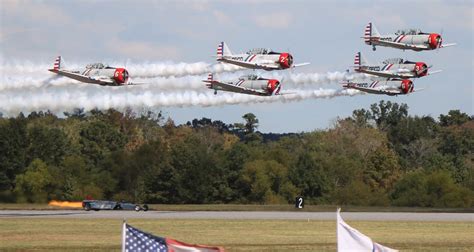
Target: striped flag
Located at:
point(134, 239)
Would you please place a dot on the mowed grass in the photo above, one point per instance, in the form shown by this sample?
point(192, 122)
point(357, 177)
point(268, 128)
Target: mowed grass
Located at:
point(47, 234)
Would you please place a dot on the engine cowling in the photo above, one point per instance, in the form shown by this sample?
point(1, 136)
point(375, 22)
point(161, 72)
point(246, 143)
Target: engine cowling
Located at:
point(435, 40)
point(121, 76)
point(407, 86)
point(285, 60)
point(273, 87)
point(420, 69)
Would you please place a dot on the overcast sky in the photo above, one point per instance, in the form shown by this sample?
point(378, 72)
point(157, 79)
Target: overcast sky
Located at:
point(325, 33)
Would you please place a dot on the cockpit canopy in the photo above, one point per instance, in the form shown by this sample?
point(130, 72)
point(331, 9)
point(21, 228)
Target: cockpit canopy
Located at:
point(249, 77)
point(260, 51)
point(97, 66)
point(408, 32)
point(393, 61)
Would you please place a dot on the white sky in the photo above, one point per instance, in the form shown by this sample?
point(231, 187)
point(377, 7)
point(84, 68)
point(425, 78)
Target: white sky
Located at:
point(325, 33)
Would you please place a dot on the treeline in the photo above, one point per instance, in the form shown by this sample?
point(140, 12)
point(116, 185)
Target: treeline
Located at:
point(377, 157)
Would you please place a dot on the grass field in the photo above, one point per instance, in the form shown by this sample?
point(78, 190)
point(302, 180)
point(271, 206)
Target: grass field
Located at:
point(234, 235)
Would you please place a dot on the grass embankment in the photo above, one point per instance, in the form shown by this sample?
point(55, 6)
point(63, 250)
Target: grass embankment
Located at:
point(241, 207)
point(233, 235)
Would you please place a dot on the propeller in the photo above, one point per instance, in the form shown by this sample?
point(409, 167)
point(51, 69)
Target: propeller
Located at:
point(439, 41)
point(424, 69)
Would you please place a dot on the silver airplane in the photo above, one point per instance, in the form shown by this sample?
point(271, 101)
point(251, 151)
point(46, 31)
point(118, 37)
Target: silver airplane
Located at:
point(247, 84)
point(386, 87)
point(96, 73)
point(392, 68)
point(259, 58)
point(412, 39)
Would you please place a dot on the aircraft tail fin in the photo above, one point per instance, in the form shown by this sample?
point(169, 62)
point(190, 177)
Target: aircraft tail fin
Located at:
point(57, 63)
point(360, 60)
point(223, 50)
point(210, 79)
point(370, 32)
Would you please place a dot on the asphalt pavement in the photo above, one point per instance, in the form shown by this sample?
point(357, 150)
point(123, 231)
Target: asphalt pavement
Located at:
point(237, 215)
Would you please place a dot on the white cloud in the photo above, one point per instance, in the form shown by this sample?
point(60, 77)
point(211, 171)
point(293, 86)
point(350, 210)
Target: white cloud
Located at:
point(276, 20)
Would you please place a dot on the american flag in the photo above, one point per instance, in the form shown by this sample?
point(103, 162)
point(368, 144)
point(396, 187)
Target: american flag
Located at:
point(137, 240)
point(134, 239)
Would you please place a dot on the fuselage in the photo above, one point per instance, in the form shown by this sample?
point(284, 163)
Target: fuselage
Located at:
point(409, 69)
point(270, 61)
point(97, 74)
point(428, 41)
point(388, 87)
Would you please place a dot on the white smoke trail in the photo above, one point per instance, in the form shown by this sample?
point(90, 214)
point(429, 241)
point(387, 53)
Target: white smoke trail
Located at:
point(150, 70)
point(145, 70)
point(30, 75)
point(59, 99)
point(164, 84)
point(301, 81)
point(316, 79)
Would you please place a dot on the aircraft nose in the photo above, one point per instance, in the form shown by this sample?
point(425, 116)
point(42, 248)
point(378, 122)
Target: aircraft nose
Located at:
point(290, 59)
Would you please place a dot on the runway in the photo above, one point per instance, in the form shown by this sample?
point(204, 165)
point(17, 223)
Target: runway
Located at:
point(237, 215)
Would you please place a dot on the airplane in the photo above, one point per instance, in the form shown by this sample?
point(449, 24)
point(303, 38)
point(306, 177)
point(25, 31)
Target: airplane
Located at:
point(411, 39)
point(258, 58)
point(392, 68)
point(96, 73)
point(386, 87)
point(247, 84)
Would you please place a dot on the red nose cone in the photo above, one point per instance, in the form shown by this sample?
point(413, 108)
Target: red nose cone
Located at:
point(407, 86)
point(285, 60)
point(273, 86)
point(121, 75)
point(434, 40)
point(421, 69)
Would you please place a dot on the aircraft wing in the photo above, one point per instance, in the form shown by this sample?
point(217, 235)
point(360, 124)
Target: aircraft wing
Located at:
point(372, 90)
point(83, 78)
point(301, 64)
point(402, 45)
point(447, 45)
point(434, 72)
point(247, 64)
point(419, 89)
point(386, 74)
point(235, 89)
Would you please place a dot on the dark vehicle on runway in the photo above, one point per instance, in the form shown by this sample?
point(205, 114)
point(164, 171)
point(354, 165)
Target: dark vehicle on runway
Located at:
point(97, 205)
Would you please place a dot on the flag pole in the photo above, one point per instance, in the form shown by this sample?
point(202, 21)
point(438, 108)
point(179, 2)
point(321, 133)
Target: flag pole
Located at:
point(124, 229)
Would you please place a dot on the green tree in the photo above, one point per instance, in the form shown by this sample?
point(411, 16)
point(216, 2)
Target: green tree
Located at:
point(13, 146)
point(98, 139)
point(387, 114)
point(36, 183)
point(436, 189)
point(310, 178)
point(267, 182)
point(49, 145)
point(454, 117)
point(382, 169)
point(251, 122)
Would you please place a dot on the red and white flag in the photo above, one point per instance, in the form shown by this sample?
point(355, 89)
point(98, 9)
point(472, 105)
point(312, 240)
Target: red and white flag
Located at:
point(134, 239)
